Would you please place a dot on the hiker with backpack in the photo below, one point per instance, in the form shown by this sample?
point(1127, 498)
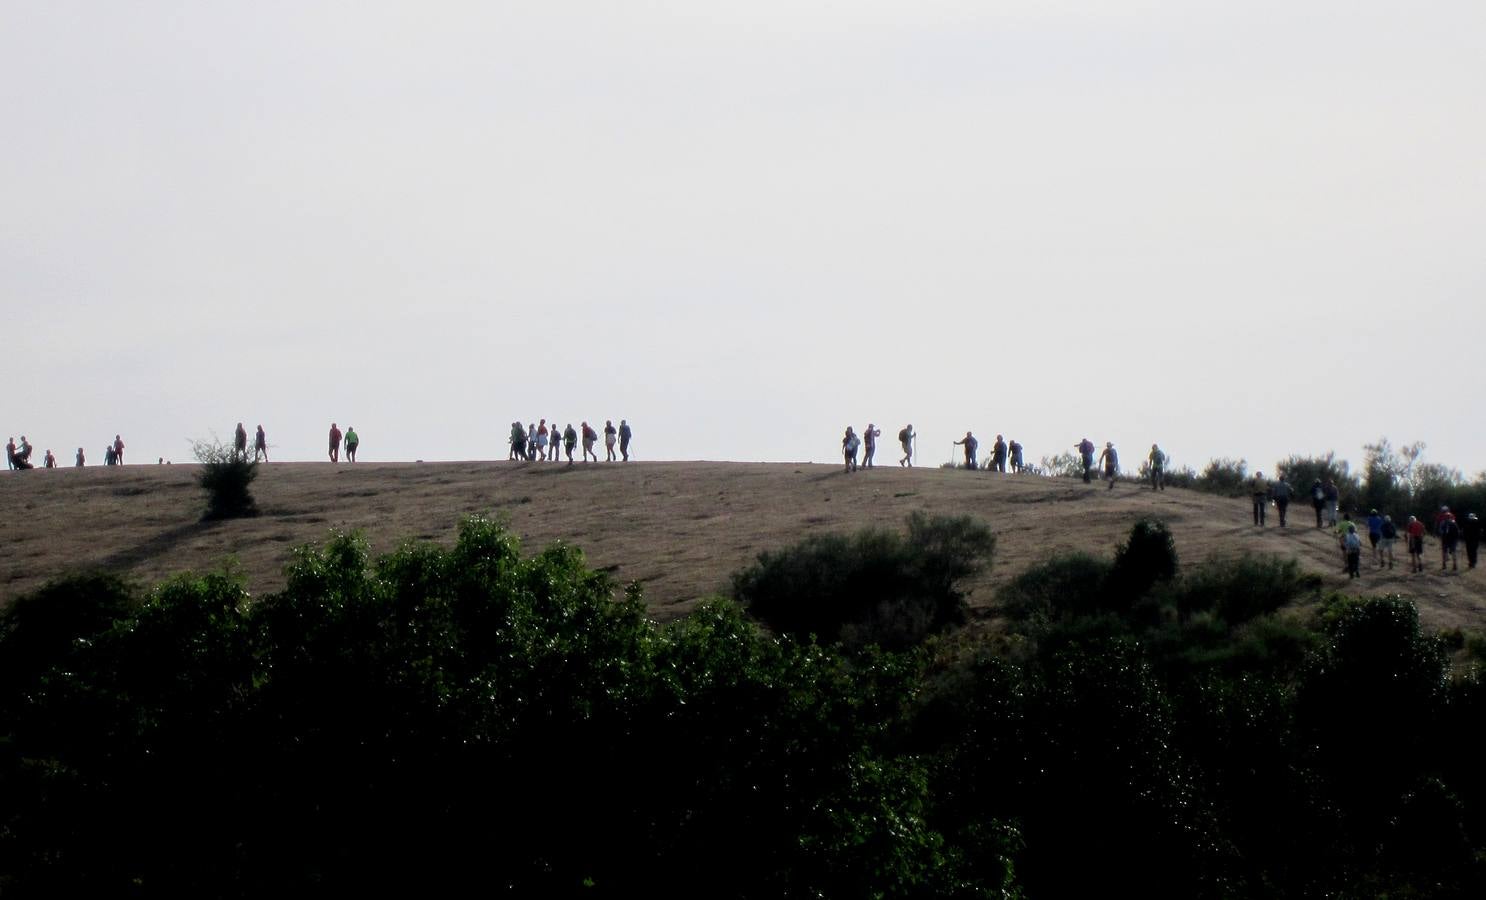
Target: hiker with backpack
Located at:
point(1318, 499)
point(1016, 456)
point(240, 442)
point(998, 455)
point(905, 438)
point(1085, 449)
point(118, 449)
point(1352, 548)
point(590, 437)
point(517, 439)
point(1470, 529)
point(970, 444)
point(1158, 468)
point(260, 445)
point(611, 435)
point(1385, 543)
point(624, 438)
point(1448, 531)
point(849, 444)
point(569, 441)
point(869, 444)
point(81, 459)
point(1333, 500)
point(353, 440)
point(1280, 492)
point(1111, 461)
point(1375, 535)
point(1414, 531)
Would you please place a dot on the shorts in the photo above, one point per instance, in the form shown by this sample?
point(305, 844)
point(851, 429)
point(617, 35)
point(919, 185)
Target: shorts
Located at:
point(1386, 544)
point(1373, 538)
point(609, 440)
point(1416, 545)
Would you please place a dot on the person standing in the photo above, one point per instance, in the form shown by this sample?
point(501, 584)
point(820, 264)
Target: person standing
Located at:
point(10, 453)
point(1158, 468)
point(1111, 461)
point(998, 455)
point(905, 438)
point(611, 436)
point(542, 440)
point(260, 445)
point(1259, 492)
point(1375, 535)
point(1470, 529)
point(1318, 499)
point(118, 449)
point(1016, 456)
point(1414, 531)
point(49, 461)
point(624, 438)
point(240, 442)
point(1085, 449)
point(849, 444)
point(80, 458)
point(335, 442)
point(970, 444)
point(518, 442)
point(1281, 492)
point(353, 440)
point(869, 442)
point(530, 450)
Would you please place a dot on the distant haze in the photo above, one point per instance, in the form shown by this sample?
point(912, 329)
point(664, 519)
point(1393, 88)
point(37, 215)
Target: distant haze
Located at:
point(1237, 229)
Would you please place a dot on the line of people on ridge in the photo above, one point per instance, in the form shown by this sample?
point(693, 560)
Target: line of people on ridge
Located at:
point(260, 443)
point(19, 457)
point(537, 442)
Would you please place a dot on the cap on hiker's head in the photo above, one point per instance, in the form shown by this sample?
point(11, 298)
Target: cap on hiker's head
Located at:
point(1387, 518)
point(1351, 527)
point(1442, 508)
point(1372, 512)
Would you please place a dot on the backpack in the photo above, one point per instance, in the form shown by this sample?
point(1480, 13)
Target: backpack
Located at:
point(903, 436)
point(1389, 531)
point(1448, 529)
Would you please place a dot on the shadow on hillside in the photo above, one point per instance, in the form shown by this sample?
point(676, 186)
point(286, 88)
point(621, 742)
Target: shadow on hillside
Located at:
point(158, 545)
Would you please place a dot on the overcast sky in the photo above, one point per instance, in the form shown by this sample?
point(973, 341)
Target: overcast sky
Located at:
point(1238, 229)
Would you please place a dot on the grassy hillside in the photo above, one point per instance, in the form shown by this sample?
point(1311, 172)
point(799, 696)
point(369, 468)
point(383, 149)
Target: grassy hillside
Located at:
point(680, 529)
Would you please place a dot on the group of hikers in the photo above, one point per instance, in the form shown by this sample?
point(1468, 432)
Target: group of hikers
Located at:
point(260, 443)
point(19, 457)
point(539, 442)
point(352, 441)
point(1382, 531)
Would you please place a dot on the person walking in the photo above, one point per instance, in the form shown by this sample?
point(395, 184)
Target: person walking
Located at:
point(1352, 547)
point(998, 455)
point(1448, 531)
point(1281, 492)
point(1259, 491)
point(570, 441)
point(542, 440)
point(1016, 456)
point(905, 438)
point(1414, 532)
point(849, 444)
point(1470, 529)
point(624, 438)
point(1111, 461)
point(10, 453)
point(1389, 533)
point(590, 437)
point(611, 436)
point(260, 445)
point(1375, 535)
point(970, 444)
point(335, 442)
point(1085, 449)
point(531, 441)
point(49, 461)
point(240, 442)
point(81, 459)
point(869, 444)
point(518, 442)
point(118, 449)
point(554, 452)
point(1158, 468)
point(1318, 499)
point(1333, 500)
point(353, 440)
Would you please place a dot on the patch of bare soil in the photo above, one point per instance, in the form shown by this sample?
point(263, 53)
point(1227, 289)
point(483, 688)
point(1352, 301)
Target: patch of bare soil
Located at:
point(680, 529)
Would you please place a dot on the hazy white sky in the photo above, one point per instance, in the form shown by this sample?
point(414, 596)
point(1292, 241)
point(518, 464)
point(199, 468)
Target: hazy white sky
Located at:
point(1237, 229)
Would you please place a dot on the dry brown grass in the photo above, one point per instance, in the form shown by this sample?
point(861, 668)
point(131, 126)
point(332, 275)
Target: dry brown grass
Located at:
point(680, 529)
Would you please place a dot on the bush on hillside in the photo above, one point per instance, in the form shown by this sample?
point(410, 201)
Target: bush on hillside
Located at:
point(1227, 477)
point(225, 475)
point(871, 587)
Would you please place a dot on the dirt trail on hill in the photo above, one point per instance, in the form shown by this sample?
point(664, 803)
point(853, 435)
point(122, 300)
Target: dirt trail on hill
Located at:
point(680, 529)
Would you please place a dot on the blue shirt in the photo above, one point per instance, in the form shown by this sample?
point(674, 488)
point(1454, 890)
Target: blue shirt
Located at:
point(1375, 524)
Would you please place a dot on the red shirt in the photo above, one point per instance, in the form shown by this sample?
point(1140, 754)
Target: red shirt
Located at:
point(1415, 529)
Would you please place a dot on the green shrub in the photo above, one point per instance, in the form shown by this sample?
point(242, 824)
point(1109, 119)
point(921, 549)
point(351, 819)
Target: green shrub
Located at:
point(1068, 584)
point(871, 587)
point(1240, 589)
point(225, 475)
point(1228, 477)
point(1146, 558)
